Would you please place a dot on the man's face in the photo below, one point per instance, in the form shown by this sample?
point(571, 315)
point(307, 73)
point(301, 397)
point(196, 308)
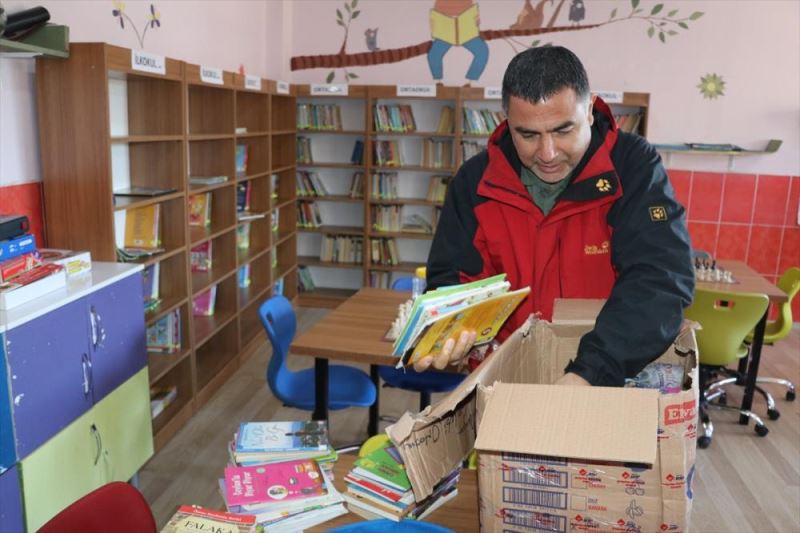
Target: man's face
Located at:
point(551, 135)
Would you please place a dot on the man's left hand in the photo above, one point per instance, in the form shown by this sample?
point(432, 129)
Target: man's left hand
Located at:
point(572, 379)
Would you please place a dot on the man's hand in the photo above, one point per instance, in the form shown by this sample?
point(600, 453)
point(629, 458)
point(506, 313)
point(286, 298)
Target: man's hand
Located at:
point(572, 379)
point(452, 352)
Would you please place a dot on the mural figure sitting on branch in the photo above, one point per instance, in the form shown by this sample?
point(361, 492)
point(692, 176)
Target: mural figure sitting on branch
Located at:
point(455, 22)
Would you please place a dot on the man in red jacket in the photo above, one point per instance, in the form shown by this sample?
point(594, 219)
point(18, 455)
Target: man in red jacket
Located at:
point(564, 202)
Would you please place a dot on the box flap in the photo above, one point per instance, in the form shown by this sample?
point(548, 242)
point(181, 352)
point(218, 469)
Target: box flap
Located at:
point(598, 423)
point(576, 310)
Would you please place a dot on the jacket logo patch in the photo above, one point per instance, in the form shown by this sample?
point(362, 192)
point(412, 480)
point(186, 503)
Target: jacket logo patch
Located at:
point(593, 249)
point(603, 185)
point(658, 213)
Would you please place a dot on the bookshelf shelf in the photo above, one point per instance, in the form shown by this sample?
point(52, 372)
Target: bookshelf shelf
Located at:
point(414, 168)
point(405, 201)
point(401, 267)
point(330, 198)
point(330, 165)
point(333, 132)
point(334, 230)
point(400, 235)
point(155, 130)
point(411, 134)
point(307, 260)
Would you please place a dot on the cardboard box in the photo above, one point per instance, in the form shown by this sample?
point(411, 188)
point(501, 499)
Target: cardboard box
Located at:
point(556, 458)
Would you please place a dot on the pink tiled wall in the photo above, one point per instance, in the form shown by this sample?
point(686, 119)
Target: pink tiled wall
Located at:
point(25, 199)
point(751, 218)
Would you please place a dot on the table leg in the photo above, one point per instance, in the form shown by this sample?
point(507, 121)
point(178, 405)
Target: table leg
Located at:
point(374, 409)
point(320, 389)
point(752, 368)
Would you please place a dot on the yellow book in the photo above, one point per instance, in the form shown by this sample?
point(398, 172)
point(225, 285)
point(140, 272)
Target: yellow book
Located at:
point(142, 227)
point(485, 318)
point(455, 30)
point(200, 210)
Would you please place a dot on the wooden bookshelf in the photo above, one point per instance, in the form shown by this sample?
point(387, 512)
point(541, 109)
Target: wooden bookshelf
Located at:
point(156, 130)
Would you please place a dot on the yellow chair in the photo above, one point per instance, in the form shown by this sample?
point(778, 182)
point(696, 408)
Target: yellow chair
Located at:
point(725, 319)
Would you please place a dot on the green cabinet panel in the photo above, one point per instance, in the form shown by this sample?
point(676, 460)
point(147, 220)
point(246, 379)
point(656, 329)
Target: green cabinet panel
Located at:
point(123, 421)
point(109, 442)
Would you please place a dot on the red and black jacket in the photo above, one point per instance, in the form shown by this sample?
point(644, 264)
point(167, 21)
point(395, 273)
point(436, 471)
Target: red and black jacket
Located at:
point(615, 232)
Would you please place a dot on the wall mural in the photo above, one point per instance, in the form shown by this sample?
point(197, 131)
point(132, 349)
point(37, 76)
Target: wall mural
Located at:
point(711, 86)
point(153, 20)
point(457, 23)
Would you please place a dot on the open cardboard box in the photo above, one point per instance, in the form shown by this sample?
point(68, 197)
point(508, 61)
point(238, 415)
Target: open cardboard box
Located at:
point(556, 458)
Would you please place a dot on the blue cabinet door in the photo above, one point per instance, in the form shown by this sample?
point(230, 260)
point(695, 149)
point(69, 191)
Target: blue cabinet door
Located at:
point(49, 369)
point(117, 334)
point(10, 502)
point(8, 453)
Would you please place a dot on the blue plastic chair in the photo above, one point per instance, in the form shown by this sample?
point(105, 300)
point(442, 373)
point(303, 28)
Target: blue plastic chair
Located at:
point(347, 386)
point(425, 383)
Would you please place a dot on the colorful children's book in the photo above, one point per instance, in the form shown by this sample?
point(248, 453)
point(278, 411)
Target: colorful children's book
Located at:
point(191, 519)
point(201, 257)
point(243, 236)
point(142, 227)
point(165, 335)
point(241, 159)
point(243, 196)
point(200, 210)
point(385, 466)
point(282, 436)
point(203, 304)
point(274, 483)
point(244, 276)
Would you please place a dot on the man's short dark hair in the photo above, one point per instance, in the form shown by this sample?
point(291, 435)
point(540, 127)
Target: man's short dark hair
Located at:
point(539, 73)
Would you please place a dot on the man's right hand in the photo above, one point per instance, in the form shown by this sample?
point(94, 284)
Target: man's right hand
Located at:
point(452, 353)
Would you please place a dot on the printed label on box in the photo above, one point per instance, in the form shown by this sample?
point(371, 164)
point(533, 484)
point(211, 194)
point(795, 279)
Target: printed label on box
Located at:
point(211, 75)
point(147, 62)
point(532, 520)
point(252, 82)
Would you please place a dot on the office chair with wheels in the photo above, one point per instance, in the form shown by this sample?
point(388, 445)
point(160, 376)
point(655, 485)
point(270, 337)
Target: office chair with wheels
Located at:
point(725, 319)
point(347, 386)
point(425, 383)
point(96, 512)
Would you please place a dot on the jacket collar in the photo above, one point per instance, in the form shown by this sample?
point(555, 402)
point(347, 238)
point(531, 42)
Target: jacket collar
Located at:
point(594, 180)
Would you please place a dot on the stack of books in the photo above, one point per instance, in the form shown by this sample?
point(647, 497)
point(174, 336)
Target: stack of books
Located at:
point(23, 275)
point(196, 518)
point(281, 473)
point(378, 487)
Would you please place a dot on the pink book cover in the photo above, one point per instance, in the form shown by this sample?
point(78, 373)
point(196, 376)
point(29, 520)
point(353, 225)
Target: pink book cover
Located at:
point(274, 482)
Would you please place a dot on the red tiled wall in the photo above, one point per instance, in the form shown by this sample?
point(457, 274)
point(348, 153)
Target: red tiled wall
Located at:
point(751, 218)
point(25, 199)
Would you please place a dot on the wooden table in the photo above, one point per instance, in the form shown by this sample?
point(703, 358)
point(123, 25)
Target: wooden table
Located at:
point(355, 332)
point(750, 281)
point(459, 514)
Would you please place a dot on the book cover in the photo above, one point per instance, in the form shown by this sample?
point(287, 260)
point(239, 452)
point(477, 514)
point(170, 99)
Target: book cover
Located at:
point(243, 236)
point(204, 304)
point(274, 483)
point(201, 257)
point(165, 335)
point(142, 227)
point(243, 196)
point(282, 436)
point(241, 159)
point(207, 180)
point(192, 518)
point(455, 30)
point(244, 276)
point(385, 466)
point(200, 210)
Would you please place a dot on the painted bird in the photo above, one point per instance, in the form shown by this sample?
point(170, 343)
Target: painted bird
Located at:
point(577, 11)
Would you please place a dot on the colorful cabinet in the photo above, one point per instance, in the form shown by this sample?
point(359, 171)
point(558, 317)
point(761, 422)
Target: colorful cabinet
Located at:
point(10, 502)
point(77, 390)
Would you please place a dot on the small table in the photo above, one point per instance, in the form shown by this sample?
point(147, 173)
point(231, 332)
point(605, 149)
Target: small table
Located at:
point(750, 281)
point(459, 514)
point(354, 331)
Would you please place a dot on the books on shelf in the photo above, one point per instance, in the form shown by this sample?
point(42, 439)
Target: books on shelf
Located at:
point(32, 284)
point(277, 287)
point(243, 277)
point(416, 223)
point(470, 149)
point(275, 219)
point(436, 316)
point(481, 121)
point(437, 153)
point(142, 225)
point(207, 180)
point(274, 180)
point(628, 122)
point(243, 236)
point(357, 185)
point(143, 191)
point(325, 117)
point(396, 118)
point(200, 209)
point(384, 252)
point(387, 153)
point(379, 279)
point(383, 186)
point(194, 518)
point(161, 398)
point(342, 249)
point(310, 184)
point(204, 303)
point(357, 157)
point(242, 216)
point(447, 122)
point(127, 254)
point(242, 153)
point(151, 287)
point(386, 217)
point(308, 215)
point(243, 196)
point(437, 188)
point(304, 150)
point(201, 256)
point(165, 335)
point(305, 283)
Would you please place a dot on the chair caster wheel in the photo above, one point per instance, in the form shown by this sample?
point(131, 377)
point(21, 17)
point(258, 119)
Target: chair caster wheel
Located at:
point(790, 395)
point(761, 430)
point(773, 414)
point(703, 442)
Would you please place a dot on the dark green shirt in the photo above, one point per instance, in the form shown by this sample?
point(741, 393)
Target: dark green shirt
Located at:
point(543, 194)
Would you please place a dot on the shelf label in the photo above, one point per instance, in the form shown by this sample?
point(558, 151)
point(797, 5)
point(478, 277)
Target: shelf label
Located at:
point(282, 87)
point(428, 91)
point(211, 75)
point(252, 82)
point(611, 97)
point(331, 89)
point(493, 93)
point(147, 62)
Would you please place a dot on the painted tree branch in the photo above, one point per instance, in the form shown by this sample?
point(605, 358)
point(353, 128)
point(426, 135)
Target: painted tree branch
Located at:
point(396, 55)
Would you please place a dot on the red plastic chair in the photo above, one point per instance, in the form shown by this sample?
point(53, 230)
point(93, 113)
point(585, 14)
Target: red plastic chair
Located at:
point(98, 511)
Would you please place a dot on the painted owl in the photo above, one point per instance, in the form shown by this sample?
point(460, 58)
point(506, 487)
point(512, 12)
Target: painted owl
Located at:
point(371, 35)
point(577, 11)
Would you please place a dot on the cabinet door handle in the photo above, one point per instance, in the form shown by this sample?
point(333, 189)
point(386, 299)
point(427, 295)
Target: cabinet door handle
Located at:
point(98, 440)
point(93, 322)
point(86, 366)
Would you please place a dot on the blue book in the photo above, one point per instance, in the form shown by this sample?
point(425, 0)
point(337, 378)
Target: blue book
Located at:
point(11, 248)
point(264, 437)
